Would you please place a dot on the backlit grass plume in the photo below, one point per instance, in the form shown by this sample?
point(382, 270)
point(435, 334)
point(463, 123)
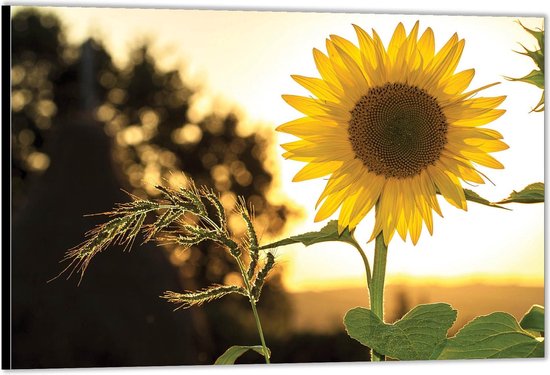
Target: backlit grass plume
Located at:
point(187, 216)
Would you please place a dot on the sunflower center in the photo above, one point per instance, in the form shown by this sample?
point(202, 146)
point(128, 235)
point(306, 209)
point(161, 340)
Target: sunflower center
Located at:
point(397, 130)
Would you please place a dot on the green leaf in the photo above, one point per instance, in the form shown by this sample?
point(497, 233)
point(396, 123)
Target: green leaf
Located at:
point(533, 193)
point(475, 197)
point(234, 352)
point(497, 335)
point(416, 336)
point(534, 319)
point(328, 233)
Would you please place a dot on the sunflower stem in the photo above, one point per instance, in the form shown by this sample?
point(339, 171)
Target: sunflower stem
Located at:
point(365, 263)
point(377, 285)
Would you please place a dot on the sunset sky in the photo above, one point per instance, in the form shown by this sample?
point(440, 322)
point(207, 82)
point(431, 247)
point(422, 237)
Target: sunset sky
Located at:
point(244, 60)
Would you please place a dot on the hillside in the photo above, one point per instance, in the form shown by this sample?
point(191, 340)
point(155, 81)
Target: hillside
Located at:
point(323, 311)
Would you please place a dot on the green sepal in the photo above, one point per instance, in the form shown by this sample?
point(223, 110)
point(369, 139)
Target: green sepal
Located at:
point(538, 34)
point(536, 77)
point(537, 56)
point(540, 105)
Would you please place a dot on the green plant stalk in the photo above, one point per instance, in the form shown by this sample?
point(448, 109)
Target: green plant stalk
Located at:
point(377, 285)
point(254, 310)
point(366, 264)
point(260, 331)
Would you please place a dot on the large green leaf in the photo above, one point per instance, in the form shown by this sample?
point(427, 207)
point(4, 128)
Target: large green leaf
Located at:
point(328, 233)
point(234, 352)
point(475, 197)
point(497, 335)
point(416, 336)
point(533, 193)
point(534, 319)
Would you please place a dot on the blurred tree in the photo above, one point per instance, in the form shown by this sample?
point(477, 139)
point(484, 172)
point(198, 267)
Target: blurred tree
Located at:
point(113, 319)
point(36, 50)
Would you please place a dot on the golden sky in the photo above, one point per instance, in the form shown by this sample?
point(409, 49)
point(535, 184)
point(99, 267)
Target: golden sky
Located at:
point(246, 59)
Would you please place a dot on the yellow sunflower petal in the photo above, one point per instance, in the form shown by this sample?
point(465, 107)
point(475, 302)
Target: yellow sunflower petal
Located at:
point(355, 82)
point(415, 227)
point(319, 152)
point(477, 133)
point(290, 155)
point(331, 204)
point(397, 39)
point(316, 170)
point(404, 213)
point(321, 110)
point(408, 58)
point(449, 186)
point(475, 118)
point(458, 82)
point(484, 102)
point(345, 211)
point(482, 158)
point(307, 126)
point(389, 208)
point(428, 189)
point(317, 87)
point(381, 54)
point(439, 70)
point(324, 67)
point(426, 45)
point(422, 204)
point(345, 176)
point(347, 46)
point(372, 57)
point(444, 51)
point(486, 145)
point(469, 174)
point(371, 186)
point(468, 94)
point(460, 169)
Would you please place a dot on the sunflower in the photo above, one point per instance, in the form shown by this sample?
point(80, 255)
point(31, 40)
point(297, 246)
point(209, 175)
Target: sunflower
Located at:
point(392, 127)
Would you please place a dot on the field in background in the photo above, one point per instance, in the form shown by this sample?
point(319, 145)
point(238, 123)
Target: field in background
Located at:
point(323, 311)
